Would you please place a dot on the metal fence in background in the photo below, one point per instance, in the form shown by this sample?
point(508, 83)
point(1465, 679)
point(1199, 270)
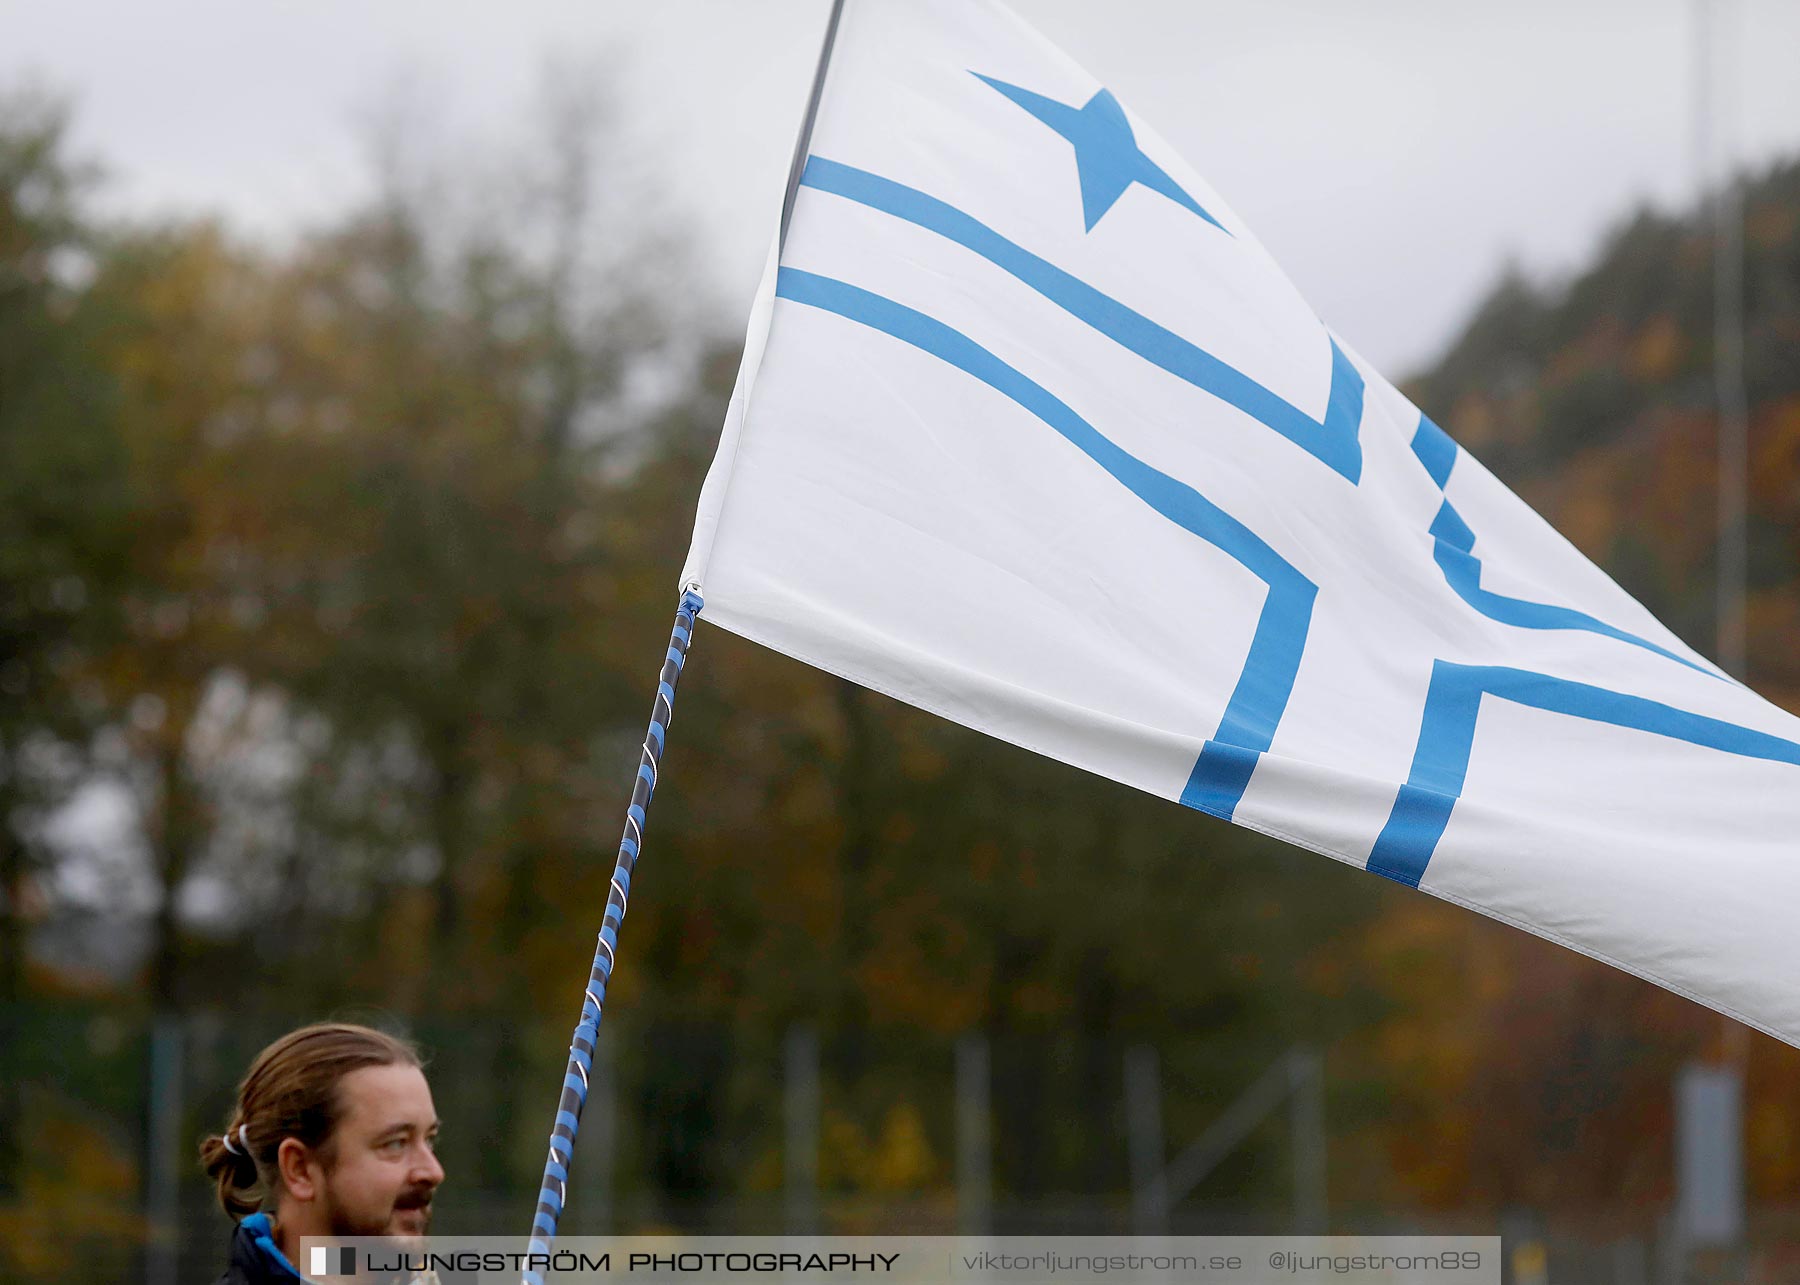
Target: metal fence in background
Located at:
point(698, 1129)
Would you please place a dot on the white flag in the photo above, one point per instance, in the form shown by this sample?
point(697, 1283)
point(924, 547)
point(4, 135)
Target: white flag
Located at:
point(1032, 433)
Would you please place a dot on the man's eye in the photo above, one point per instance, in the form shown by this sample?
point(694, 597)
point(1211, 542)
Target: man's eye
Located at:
point(395, 1145)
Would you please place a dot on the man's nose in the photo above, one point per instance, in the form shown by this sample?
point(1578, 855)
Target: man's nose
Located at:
point(430, 1169)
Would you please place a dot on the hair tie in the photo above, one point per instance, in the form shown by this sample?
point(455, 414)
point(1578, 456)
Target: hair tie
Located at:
point(241, 1147)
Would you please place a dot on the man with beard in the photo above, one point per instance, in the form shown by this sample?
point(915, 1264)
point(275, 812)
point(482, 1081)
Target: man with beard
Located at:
point(333, 1135)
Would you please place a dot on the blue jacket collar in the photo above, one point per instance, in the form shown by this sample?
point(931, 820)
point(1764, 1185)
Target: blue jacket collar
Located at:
point(262, 1232)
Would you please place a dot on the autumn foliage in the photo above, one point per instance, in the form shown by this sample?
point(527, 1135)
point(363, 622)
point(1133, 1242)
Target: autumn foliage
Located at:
point(336, 575)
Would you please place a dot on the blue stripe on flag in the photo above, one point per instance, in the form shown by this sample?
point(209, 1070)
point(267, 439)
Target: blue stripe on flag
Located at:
point(1435, 449)
point(1333, 442)
point(1447, 737)
point(1449, 528)
point(1462, 570)
point(1257, 703)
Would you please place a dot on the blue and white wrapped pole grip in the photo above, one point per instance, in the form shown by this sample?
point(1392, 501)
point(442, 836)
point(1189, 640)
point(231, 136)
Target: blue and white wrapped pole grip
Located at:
point(554, 1191)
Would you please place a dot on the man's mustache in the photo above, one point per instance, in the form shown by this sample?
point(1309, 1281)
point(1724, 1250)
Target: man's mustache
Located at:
point(415, 1198)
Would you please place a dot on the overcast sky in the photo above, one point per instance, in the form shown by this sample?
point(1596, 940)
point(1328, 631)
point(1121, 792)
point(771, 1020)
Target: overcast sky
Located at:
point(1392, 154)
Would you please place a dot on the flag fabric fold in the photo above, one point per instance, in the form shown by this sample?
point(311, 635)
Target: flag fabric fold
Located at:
point(1032, 433)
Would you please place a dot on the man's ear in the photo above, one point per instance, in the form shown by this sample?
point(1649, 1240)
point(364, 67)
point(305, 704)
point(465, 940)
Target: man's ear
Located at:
point(299, 1169)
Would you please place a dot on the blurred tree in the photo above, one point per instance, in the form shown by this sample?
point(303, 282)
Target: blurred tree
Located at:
point(61, 492)
point(184, 310)
point(459, 383)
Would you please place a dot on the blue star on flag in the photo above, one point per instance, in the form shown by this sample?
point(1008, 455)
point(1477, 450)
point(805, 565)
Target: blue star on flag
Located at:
point(1106, 152)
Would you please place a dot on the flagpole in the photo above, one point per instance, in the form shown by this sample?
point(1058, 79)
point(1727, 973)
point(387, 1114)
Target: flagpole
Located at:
point(553, 1191)
point(803, 144)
